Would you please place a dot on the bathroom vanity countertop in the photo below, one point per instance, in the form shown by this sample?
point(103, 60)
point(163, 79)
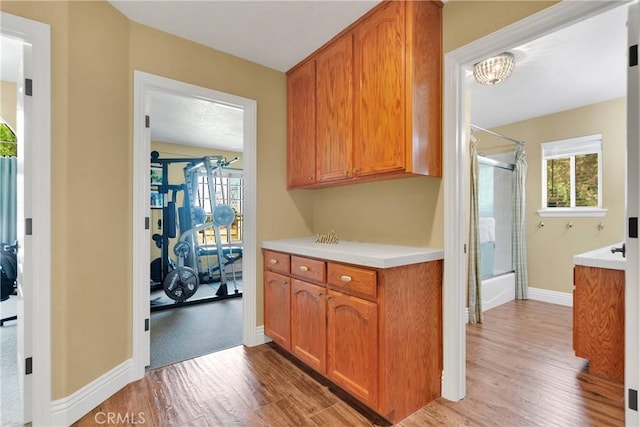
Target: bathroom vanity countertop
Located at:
point(602, 258)
point(366, 254)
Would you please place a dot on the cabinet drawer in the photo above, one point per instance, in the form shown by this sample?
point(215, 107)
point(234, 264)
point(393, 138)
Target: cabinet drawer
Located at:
point(307, 268)
point(352, 280)
point(276, 261)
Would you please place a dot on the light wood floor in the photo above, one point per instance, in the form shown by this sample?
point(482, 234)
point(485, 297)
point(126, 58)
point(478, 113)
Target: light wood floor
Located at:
point(521, 371)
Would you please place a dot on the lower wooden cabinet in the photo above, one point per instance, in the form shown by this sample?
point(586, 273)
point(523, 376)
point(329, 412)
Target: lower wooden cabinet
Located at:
point(375, 333)
point(277, 308)
point(308, 324)
point(598, 320)
point(352, 345)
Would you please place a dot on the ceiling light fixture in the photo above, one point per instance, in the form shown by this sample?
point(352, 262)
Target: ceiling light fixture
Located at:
point(494, 70)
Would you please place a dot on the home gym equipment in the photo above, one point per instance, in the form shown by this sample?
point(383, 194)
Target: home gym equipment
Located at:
point(198, 232)
point(8, 274)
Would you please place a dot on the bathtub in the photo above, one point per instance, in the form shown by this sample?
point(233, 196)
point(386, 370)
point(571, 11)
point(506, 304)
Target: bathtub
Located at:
point(498, 290)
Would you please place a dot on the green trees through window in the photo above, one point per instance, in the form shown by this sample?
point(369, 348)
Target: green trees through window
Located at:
point(8, 141)
point(572, 172)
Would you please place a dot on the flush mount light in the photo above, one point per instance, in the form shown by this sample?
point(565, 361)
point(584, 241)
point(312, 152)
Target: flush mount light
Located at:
point(494, 70)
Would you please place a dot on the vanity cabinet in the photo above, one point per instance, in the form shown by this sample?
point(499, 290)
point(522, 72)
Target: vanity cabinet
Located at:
point(374, 332)
point(376, 99)
point(598, 320)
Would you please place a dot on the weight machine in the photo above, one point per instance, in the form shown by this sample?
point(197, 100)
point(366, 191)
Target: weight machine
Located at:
point(180, 279)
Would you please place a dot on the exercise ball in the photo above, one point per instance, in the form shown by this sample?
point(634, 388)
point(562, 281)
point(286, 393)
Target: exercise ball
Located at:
point(223, 215)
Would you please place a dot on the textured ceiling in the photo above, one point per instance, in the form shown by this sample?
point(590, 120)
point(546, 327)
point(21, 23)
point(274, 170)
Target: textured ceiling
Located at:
point(572, 67)
point(277, 34)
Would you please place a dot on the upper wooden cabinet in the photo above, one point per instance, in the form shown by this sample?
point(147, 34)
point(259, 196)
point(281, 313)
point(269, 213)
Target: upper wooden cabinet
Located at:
point(334, 128)
point(301, 125)
point(376, 99)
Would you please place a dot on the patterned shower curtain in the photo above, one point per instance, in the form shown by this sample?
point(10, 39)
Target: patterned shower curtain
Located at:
point(8, 190)
point(519, 234)
point(474, 298)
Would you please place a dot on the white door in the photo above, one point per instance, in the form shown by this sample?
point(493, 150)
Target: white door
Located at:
point(632, 303)
point(24, 205)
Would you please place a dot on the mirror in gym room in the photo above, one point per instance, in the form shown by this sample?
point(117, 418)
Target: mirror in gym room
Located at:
point(196, 225)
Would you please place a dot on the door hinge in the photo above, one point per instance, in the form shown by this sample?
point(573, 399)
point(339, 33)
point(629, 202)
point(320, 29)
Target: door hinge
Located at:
point(633, 55)
point(28, 87)
point(28, 366)
point(465, 248)
point(147, 121)
point(633, 399)
point(146, 325)
point(146, 223)
point(633, 227)
point(28, 226)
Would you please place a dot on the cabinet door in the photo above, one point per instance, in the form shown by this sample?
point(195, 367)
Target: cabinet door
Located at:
point(301, 126)
point(277, 308)
point(334, 82)
point(352, 346)
point(309, 324)
point(379, 114)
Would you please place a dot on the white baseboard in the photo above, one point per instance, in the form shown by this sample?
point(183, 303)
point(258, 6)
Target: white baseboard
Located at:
point(544, 295)
point(553, 297)
point(70, 409)
point(261, 338)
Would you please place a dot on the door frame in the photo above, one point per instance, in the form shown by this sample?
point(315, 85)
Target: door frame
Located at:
point(631, 292)
point(143, 84)
point(38, 164)
point(456, 176)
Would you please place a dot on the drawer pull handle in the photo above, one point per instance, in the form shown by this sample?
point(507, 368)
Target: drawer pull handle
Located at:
point(304, 268)
point(273, 261)
point(345, 279)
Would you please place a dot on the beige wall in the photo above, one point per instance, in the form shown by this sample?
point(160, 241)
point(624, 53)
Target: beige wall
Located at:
point(551, 248)
point(8, 102)
point(94, 52)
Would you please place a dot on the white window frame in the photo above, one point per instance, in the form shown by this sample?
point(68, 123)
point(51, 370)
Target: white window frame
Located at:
point(571, 147)
point(227, 173)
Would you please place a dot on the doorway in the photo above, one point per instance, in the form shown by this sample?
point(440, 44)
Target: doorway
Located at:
point(196, 268)
point(33, 215)
point(455, 158)
point(144, 86)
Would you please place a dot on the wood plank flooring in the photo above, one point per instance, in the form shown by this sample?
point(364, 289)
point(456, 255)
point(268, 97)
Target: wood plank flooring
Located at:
point(521, 371)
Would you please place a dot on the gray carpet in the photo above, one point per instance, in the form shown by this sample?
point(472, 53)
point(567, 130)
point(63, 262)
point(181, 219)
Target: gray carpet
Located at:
point(10, 405)
point(187, 332)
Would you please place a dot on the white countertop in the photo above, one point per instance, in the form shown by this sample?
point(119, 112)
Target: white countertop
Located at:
point(365, 254)
point(602, 258)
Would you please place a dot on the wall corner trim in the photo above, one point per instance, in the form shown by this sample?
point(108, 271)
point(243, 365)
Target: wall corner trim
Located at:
point(70, 409)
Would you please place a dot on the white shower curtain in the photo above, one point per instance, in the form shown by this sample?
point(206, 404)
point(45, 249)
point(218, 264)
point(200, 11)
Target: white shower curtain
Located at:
point(519, 234)
point(8, 189)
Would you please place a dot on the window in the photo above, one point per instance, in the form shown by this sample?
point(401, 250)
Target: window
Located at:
point(232, 186)
point(572, 177)
point(8, 141)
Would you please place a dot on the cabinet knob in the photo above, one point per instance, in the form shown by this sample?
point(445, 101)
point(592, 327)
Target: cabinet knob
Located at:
point(273, 261)
point(346, 173)
point(304, 268)
point(319, 294)
point(310, 178)
point(355, 171)
point(328, 297)
point(345, 279)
